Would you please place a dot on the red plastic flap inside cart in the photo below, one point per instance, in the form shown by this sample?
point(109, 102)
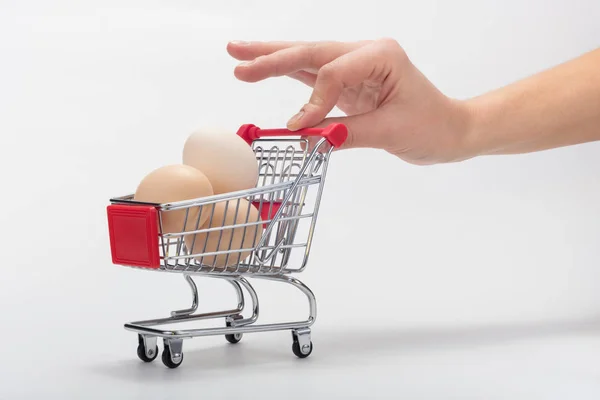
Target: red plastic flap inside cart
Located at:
point(133, 232)
point(267, 209)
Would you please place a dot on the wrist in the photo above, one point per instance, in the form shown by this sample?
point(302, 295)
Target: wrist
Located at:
point(467, 129)
point(475, 141)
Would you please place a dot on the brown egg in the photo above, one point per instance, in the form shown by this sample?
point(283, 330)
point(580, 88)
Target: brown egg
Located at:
point(230, 238)
point(174, 183)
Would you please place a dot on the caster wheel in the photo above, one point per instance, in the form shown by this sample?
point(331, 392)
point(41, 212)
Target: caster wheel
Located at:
point(143, 354)
point(233, 338)
point(298, 353)
point(167, 358)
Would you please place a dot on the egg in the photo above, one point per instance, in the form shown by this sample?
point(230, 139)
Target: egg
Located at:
point(172, 183)
point(227, 238)
point(224, 157)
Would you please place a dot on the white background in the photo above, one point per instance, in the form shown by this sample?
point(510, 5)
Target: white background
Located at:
point(466, 281)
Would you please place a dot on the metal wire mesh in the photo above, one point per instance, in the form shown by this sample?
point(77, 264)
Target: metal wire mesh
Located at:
point(253, 231)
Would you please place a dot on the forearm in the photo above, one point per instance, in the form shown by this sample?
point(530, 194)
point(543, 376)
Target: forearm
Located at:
point(557, 107)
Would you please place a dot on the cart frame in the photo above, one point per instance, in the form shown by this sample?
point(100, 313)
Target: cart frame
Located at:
point(269, 258)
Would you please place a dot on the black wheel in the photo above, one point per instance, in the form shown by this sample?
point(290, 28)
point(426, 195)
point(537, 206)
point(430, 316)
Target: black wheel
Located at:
point(298, 353)
point(233, 338)
point(166, 358)
point(141, 351)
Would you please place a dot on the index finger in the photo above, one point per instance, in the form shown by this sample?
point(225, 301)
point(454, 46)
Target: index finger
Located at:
point(245, 51)
point(291, 60)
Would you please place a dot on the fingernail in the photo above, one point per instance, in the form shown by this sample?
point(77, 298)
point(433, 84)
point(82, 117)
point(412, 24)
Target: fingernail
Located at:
point(239, 43)
point(296, 118)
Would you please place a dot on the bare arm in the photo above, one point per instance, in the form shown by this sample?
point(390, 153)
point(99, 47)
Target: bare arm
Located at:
point(554, 108)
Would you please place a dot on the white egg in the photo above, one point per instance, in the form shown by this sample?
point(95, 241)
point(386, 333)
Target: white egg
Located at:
point(224, 157)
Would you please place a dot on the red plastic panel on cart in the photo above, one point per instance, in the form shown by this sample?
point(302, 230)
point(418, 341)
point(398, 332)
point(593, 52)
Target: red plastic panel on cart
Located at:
point(133, 234)
point(272, 206)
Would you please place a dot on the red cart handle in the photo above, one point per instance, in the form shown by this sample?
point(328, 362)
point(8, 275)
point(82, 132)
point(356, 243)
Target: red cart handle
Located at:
point(335, 134)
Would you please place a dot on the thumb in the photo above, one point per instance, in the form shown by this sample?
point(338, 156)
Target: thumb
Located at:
point(324, 97)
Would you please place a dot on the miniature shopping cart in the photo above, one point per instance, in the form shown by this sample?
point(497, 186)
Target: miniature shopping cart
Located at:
point(292, 170)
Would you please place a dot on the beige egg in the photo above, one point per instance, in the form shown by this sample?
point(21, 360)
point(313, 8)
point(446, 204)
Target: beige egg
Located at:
point(224, 157)
point(174, 183)
point(227, 238)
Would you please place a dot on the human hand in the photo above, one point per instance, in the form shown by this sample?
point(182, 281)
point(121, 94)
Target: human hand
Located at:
point(389, 103)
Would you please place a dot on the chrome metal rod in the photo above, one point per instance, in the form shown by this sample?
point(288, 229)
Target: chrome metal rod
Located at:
point(315, 214)
point(188, 333)
point(194, 306)
point(287, 197)
point(312, 301)
point(235, 226)
point(239, 292)
point(183, 318)
point(255, 308)
point(241, 326)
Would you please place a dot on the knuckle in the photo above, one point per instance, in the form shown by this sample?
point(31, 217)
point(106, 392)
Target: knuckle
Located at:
point(391, 46)
point(389, 42)
point(328, 72)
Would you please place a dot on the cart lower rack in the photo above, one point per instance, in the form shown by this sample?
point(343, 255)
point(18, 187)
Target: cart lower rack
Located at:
point(266, 233)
